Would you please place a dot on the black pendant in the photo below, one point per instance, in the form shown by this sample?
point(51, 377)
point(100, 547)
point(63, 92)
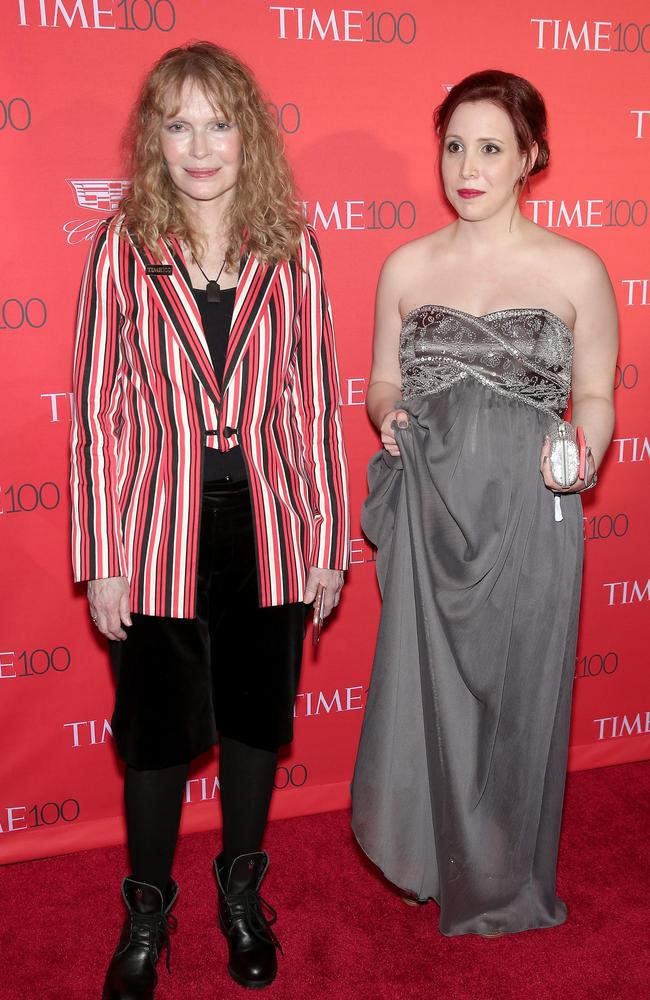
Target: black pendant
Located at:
point(214, 291)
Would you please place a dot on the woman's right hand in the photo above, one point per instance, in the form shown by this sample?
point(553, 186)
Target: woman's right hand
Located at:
point(108, 600)
point(387, 432)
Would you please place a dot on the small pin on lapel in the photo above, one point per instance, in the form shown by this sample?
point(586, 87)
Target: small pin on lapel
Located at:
point(159, 268)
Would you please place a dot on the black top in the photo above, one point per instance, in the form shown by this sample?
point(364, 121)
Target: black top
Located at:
point(217, 318)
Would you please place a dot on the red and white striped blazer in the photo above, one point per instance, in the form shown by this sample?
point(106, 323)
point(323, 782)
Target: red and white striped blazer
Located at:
point(147, 402)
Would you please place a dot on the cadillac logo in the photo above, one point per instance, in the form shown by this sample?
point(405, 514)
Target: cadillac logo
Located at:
point(99, 195)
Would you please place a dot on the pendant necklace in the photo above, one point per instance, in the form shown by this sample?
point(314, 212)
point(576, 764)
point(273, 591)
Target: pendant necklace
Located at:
point(212, 288)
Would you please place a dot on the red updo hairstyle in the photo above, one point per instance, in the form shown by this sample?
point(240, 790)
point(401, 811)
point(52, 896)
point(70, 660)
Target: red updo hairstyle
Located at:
point(522, 102)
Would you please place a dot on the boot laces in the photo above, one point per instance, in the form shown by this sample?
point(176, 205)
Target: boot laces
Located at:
point(167, 924)
point(256, 919)
point(158, 926)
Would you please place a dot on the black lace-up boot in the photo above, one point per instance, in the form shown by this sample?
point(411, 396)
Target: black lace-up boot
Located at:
point(132, 971)
point(252, 944)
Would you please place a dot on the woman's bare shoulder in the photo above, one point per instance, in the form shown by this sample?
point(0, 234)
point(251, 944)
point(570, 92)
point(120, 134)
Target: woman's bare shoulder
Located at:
point(574, 260)
point(416, 253)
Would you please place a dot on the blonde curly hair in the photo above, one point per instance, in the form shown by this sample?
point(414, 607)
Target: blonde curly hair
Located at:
point(264, 216)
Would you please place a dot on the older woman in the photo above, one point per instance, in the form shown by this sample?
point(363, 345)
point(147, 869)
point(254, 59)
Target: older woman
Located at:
point(484, 330)
point(208, 482)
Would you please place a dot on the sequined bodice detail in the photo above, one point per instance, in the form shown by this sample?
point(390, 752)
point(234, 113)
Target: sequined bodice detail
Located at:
point(522, 353)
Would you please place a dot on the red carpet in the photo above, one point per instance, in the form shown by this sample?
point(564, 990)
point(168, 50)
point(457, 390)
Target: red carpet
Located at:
point(346, 936)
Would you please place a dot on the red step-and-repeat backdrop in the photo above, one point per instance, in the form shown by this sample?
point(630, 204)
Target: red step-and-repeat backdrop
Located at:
point(352, 89)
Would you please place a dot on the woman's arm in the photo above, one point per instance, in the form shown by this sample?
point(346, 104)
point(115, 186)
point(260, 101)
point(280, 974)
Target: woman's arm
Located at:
point(97, 545)
point(595, 340)
point(324, 449)
point(595, 347)
point(385, 389)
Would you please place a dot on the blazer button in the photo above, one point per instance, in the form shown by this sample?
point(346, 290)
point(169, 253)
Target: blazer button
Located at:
point(229, 431)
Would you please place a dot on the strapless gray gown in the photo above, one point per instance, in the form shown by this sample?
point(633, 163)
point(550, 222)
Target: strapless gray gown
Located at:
point(459, 780)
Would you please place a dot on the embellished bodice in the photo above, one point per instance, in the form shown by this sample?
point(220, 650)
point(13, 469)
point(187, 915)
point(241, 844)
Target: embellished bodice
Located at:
point(522, 353)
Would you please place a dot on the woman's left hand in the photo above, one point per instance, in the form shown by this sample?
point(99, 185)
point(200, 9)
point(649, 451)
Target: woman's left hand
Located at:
point(549, 482)
point(331, 580)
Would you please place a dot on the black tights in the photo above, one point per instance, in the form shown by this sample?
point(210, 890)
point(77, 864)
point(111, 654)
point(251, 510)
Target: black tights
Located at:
point(153, 801)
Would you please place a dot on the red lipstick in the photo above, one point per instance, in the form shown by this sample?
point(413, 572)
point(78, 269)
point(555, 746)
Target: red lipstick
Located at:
point(470, 192)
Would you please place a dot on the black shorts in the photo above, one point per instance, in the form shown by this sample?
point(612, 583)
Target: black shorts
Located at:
point(234, 669)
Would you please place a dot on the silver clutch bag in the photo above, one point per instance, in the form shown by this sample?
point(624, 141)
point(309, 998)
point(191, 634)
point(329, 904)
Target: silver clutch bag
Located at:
point(565, 455)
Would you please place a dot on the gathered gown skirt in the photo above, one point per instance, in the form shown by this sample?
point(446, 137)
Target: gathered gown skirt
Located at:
point(459, 780)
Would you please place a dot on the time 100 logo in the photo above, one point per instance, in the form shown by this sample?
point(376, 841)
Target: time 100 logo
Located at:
point(125, 15)
point(357, 214)
point(307, 24)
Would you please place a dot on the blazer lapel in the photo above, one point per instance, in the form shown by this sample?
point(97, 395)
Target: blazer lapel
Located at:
point(173, 293)
point(254, 289)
